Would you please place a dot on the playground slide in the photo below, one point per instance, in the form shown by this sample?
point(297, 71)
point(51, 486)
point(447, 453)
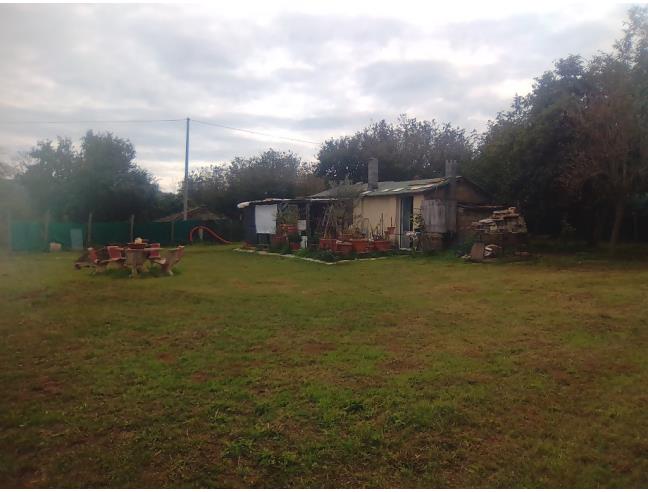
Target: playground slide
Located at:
point(208, 231)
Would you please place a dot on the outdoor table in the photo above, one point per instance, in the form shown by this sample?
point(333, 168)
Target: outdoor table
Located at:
point(135, 258)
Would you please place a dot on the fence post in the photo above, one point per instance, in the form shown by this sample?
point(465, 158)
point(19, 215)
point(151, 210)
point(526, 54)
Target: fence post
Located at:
point(89, 238)
point(9, 239)
point(132, 226)
point(47, 226)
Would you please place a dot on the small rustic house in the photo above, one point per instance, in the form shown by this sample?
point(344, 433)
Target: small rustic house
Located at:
point(446, 206)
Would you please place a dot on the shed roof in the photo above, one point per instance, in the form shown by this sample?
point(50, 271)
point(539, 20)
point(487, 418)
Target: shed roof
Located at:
point(200, 213)
point(270, 201)
point(386, 188)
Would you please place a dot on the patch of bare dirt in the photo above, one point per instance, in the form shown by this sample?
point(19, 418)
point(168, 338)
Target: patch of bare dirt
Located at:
point(317, 348)
point(199, 376)
point(166, 358)
point(462, 288)
point(47, 386)
point(401, 365)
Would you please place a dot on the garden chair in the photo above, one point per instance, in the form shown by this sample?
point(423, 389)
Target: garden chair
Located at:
point(88, 259)
point(172, 258)
point(92, 258)
point(154, 255)
point(115, 257)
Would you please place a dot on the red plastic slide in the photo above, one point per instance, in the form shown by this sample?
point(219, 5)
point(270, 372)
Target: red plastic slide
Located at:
point(208, 231)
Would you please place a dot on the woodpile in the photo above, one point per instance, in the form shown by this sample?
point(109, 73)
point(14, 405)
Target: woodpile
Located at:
point(503, 230)
point(502, 222)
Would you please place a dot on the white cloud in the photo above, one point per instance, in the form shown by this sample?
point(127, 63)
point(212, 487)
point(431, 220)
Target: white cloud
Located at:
point(310, 70)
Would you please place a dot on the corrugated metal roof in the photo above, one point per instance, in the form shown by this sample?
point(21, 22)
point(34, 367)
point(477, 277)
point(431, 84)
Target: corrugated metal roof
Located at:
point(386, 188)
point(270, 201)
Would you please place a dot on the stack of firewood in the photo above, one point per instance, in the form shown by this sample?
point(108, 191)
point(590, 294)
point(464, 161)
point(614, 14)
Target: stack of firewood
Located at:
point(502, 221)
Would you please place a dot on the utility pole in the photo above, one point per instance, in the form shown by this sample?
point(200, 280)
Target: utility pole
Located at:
point(186, 178)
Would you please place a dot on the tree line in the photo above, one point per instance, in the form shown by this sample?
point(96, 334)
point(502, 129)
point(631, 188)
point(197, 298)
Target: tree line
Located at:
point(572, 154)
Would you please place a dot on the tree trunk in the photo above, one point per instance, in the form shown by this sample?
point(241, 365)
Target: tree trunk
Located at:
point(598, 228)
point(616, 227)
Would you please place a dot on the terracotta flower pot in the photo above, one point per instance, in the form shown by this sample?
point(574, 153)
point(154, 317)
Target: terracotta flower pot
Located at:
point(382, 245)
point(288, 228)
point(326, 243)
point(343, 247)
point(277, 240)
point(360, 245)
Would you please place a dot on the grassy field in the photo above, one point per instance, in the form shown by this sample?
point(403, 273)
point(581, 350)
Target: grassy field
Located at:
point(245, 370)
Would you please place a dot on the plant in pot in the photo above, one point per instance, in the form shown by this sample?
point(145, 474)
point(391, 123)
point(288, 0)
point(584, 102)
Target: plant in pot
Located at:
point(326, 243)
point(277, 241)
point(348, 234)
point(287, 217)
point(381, 240)
point(360, 245)
point(344, 247)
point(294, 240)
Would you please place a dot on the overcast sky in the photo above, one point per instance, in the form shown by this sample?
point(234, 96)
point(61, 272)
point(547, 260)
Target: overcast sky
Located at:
point(310, 70)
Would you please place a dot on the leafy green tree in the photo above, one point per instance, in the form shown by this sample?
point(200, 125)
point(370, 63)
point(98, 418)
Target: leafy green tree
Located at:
point(13, 198)
point(611, 150)
point(271, 174)
point(101, 177)
point(574, 149)
point(525, 150)
point(208, 187)
point(406, 150)
point(47, 175)
point(108, 182)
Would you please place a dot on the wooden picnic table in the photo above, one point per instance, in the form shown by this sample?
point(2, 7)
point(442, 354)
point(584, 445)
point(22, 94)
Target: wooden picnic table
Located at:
point(136, 258)
point(133, 258)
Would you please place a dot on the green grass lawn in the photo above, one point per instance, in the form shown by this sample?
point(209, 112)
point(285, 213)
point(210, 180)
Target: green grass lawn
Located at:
point(244, 370)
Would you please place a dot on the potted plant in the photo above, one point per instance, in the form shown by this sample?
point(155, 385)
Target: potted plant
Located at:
point(381, 240)
point(287, 217)
point(277, 240)
point(382, 244)
point(327, 243)
point(360, 245)
point(344, 247)
point(294, 240)
point(288, 228)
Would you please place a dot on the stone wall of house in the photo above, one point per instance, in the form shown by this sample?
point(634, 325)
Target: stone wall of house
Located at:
point(370, 209)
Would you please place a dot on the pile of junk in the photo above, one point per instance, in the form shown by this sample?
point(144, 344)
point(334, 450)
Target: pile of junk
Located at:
point(504, 230)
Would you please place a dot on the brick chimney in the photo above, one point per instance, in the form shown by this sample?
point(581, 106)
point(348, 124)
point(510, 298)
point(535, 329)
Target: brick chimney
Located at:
point(372, 173)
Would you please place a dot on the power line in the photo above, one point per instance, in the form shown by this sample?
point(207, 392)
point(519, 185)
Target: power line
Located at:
point(254, 132)
point(174, 120)
point(72, 122)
